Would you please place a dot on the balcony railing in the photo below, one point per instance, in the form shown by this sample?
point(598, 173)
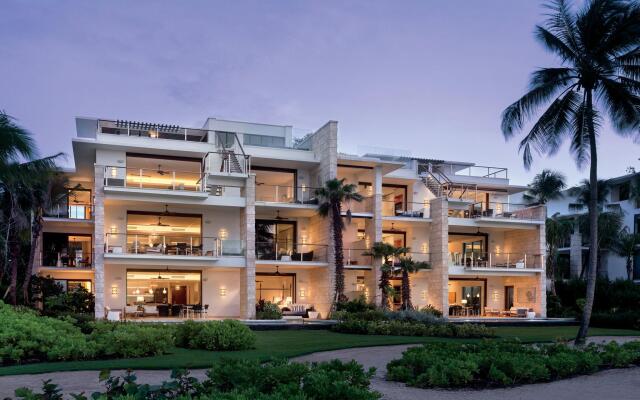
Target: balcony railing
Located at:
point(415, 256)
point(291, 252)
point(152, 131)
point(413, 210)
point(364, 206)
point(61, 259)
point(286, 194)
point(225, 162)
point(498, 260)
point(500, 210)
point(162, 245)
point(478, 171)
point(357, 256)
point(145, 178)
point(75, 211)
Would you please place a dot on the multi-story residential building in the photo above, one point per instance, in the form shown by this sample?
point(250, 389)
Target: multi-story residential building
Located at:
point(575, 252)
point(226, 216)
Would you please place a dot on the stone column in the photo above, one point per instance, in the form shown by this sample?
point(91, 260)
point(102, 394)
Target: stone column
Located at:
point(575, 253)
point(438, 292)
point(373, 230)
point(248, 234)
point(98, 240)
point(542, 276)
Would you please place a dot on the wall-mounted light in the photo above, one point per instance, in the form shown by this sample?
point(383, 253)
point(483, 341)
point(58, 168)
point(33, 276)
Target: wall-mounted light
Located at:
point(223, 233)
point(423, 295)
point(425, 247)
point(303, 293)
point(303, 236)
point(223, 291)
point(114, 172)
point(177, 287)
point(150, 290)
point(304, 188)
point(114, 290)
point(114, 229)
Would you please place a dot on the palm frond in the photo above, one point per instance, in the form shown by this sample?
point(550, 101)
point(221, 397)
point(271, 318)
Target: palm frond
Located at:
point(622, 105)
point(15, 141)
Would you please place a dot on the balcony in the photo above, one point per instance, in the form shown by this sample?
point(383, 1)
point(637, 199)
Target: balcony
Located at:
point(500, 211)
point(286, 194)
point(357, 257)
point(227, 163)
point(152, 131)
point(117, 244)
point(277, 142)
point(412, 210)
point(291, 252)
point(154, 179)
point(359, 207)
point(74, 211)
point(76, 259)
point(518, 261)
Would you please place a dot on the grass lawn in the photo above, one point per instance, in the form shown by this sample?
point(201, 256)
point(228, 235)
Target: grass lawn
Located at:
point(294, 343)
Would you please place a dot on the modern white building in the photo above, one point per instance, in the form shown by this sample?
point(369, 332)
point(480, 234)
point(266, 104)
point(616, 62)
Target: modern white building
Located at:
point(618, 199)
point(160, 217)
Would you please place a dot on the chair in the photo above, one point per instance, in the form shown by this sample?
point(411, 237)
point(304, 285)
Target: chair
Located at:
point(197, 310)
point(176, 310)
point(163, 310)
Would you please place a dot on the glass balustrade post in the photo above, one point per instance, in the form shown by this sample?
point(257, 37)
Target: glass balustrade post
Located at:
point(508, 259)
point(173, 180)
point(135, 244)
point(140, 177)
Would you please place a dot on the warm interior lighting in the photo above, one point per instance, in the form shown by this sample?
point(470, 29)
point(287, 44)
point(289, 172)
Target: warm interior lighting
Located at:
point(223, 291)
point(151, 180)
point(303, 293)
point(164, 290)
point(423, 295)
point(114, 290)
point(140, 299)
point(223, 234)
point(162, 229)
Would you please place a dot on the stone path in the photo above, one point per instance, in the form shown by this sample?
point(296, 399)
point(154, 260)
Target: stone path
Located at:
point(621, 384)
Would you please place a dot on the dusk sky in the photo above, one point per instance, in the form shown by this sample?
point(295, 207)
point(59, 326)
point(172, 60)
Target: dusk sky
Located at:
point(425, 78)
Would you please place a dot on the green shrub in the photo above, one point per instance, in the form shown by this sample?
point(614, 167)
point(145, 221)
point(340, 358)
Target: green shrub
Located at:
point(413, 316)
point(431, 310)
point(238, 380)
point(617, 319)
point(215, 335)
point(28, 337)
point(407, 328)
point(130, 339)
point(267, 310)
point(492, 363)
point(78, 301)
point(355, 306)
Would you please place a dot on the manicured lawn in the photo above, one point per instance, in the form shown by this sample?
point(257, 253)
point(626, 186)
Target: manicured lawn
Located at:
point(291, 344)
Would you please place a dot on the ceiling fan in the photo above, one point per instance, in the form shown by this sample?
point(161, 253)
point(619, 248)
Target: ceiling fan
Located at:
point(278, 217)
point(160, 223)
point(277, 270)
point(160, 171)
point(160, 275)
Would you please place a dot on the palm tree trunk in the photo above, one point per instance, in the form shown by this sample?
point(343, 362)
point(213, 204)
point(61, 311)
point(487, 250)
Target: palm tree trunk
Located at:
point(406, 291)
point(14, 251)
point(630, 267)
point(384, 289)
point(339, 253)
point(593, 225)
point(35, 235)
point(552, 261)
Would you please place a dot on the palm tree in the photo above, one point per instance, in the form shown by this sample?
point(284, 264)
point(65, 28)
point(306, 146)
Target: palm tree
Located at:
point(599, 50)
point(48, 191)
point(388, 253)
point(331, 197)
point(626, 246)
point(610, 224)
point(408, 266)
point(582, 193)
point(547, 185)
point(556, 232)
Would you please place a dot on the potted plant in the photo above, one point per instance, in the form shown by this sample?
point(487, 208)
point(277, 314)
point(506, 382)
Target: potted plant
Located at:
point(531, 314)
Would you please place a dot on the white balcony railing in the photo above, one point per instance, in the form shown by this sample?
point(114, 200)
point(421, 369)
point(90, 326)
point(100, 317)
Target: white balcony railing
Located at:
point(226, 162)
point(516, 260)
point(412, 210)
point(159, 179)
point(500, 210)
point(286, 194)
point(172, 245)
point(152, 130)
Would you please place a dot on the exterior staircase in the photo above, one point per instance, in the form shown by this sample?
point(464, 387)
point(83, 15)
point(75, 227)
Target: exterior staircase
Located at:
point(230, 163)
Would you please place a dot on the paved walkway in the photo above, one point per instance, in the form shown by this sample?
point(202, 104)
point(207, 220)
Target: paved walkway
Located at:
point(621, 384)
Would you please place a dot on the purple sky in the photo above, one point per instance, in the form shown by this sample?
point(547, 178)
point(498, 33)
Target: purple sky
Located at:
point(429, 77)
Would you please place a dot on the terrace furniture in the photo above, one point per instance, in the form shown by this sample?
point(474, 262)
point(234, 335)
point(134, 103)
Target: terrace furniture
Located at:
point(308, 256)
point(163, 310)
point(487, 213)
point(518, 312)
point(296, 309)
point(491, 312)
point(176, 310)
point(455, 310)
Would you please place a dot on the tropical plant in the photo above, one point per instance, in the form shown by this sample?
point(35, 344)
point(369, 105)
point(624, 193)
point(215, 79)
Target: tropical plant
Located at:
point(408, 266)
point(387, 253)
point(557, 230)
point(331, 196)
point(547, 185)
point(610, 224)
point(626, 246)
point(582, 193)
point(599, 50)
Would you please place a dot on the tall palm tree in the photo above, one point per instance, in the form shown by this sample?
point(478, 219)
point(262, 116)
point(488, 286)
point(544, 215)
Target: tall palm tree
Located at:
point(15, 141)
point(610, 225)
point(388, 253)
point(48, 190)
point(557, 230)
point(582, 193)
point(547, 185)
point(626, 246)
point(331, 197)
point(599, 50)
point(408, 266)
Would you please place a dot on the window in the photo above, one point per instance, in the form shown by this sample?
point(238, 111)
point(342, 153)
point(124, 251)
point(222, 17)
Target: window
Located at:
point(263, 140)
point(394, 200)
point(165, 233)
point(227, 139)
point(636, 223)
point(66, 250)
point(277, 288)
point(164, 287)
point(274, 239)
point(69, 285)
point(276, 185)
point(624, 191)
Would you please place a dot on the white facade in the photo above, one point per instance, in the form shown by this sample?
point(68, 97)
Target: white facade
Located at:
point(226, 215)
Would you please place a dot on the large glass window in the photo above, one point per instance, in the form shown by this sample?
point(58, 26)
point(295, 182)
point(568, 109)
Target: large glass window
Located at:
point(465, 249)
point(276, 288)
point(275, 239)
point(263, 140)
point(164, 233)
point(394, 200)
point(66, 250)
point(275, 185)
point(164, 287)
point(153, 172)
point(70, 285)
point(394, 238)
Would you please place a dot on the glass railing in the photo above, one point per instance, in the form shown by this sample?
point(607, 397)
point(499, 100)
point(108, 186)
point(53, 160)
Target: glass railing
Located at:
point(364, 206)
point(77, 258)
point(478, 171)
point(497, 260)
point(500, 211)
point(159, 179)
point(231, 247)
point(286, 194)
point(291, 252)
point(162, 245)
point(412, 210)
point(77, 211)
point(357, 256)
point(152, 131)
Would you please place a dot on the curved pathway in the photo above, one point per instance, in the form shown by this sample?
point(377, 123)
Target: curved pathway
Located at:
point(620, 384)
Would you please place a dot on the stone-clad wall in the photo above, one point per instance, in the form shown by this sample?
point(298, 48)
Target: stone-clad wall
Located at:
point(98, 240)
point(439, 247)
point(247, 232)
